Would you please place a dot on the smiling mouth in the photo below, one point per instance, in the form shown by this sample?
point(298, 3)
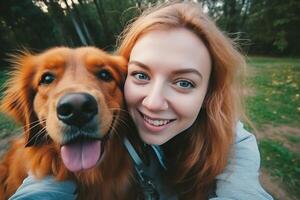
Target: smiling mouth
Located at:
point(155, 122)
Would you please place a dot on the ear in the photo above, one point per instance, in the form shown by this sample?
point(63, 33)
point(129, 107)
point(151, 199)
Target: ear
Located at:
point(18, 98)
point(120, 64)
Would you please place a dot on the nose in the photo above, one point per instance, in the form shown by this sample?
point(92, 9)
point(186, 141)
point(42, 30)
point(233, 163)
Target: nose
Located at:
point(155, 99)
point(77, 109)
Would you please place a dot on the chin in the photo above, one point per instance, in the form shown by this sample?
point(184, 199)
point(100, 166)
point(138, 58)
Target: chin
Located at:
point(153, 140)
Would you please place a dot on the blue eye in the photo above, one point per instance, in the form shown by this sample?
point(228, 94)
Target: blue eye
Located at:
point(141, 76)
point(184, 84)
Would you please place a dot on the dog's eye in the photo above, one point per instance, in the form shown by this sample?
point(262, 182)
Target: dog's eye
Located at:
point(47, 78)
point(105, 75)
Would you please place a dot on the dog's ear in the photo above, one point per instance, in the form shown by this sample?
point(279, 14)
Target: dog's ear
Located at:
point(18, 97)
point(120, 63)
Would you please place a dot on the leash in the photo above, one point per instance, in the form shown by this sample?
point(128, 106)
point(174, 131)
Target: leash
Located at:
point(148, 188)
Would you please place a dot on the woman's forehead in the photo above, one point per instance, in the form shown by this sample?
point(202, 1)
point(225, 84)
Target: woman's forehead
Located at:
point(174, 49)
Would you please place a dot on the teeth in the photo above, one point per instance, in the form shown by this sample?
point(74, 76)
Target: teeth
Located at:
point(156, 122)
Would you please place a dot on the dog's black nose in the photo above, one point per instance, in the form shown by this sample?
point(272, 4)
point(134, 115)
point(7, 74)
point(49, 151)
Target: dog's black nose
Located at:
point(77, 109)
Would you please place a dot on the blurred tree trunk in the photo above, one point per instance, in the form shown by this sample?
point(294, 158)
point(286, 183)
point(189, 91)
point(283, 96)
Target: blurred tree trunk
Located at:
point(231, 15)
point(56, 13)
point(103, 20)
point(82, 22)
point(76, 25)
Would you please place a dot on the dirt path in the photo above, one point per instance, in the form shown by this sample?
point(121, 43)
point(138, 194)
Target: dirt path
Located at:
point(290, 138)
point(273, 187)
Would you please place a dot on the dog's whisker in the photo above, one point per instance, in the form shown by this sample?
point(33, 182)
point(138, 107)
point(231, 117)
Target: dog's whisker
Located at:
point(112, 127)
point(36, 136)
point(113, 130)
point(45, 137)
point(39, 134)
point(21, 128)
point(31, 126)
point(116, 132)
point(120, 110)
point(123, 122)
point(36, 123)
point(43, 134)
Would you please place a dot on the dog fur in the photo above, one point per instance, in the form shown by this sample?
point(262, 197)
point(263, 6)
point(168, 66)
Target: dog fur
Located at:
point(34, 103)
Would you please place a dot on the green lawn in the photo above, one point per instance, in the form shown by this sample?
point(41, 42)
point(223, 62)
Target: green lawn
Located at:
point(276, 86)
point(282, 164)
point(275, 101)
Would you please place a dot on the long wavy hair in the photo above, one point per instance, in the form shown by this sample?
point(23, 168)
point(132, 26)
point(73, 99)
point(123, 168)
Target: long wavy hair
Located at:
point(196, 156)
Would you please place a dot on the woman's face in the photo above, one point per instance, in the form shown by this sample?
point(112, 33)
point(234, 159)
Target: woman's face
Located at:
point(168, 75)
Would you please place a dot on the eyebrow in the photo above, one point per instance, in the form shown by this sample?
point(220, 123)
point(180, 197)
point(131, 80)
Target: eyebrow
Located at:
point(176, 72)
point(55, 63)
point(188, 71)
point(137, 63)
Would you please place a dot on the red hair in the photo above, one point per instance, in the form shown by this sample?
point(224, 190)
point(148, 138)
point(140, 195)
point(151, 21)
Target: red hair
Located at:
point(198, 155)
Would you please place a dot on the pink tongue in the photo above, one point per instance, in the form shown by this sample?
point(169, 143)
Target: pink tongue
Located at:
point(81, 155)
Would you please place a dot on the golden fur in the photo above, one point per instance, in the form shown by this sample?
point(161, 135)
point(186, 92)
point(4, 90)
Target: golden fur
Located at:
point(34, 105)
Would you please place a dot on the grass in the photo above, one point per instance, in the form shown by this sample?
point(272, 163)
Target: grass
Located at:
point(276, 86)
point(293, 139)
point(7, 126)
point(281, 163)
point(276, 101)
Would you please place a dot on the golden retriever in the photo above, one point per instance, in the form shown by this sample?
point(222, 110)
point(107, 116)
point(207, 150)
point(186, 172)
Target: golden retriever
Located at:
point(69, 102)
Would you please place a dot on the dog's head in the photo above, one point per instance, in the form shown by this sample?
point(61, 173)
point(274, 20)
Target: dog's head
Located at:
point(69, 97)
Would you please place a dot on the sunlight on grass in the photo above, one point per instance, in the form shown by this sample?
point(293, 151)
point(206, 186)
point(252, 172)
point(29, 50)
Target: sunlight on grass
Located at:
point(276, 84)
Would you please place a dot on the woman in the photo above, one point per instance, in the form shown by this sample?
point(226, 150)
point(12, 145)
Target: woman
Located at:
point(182, 93)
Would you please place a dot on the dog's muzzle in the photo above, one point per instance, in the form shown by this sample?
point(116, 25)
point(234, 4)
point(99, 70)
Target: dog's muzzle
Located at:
point(81, 149)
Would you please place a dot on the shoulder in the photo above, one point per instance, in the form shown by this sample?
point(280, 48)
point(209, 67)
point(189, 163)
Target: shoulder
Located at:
point(245, 146)
point(240, 179)
point(47, 188)
point(242, 135)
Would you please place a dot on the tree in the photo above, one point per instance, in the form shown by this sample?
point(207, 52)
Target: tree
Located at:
point(27, 27)
point(274, 26)
point(103, 20)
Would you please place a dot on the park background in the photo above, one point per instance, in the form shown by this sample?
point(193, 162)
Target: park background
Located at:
point(268, 32)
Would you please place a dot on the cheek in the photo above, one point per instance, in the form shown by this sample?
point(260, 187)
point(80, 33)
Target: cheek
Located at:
point(190, 110)
point(40, 106)
point(188, 107)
